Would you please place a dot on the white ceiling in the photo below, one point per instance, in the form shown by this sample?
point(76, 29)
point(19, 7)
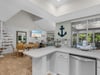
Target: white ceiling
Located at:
point(50, 10)
point(64, 6)
point(58, 3)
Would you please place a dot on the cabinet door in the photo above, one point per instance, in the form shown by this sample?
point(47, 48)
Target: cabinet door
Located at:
point(98, 71)
point(62, 63)
point(98, 63)
point(98, 67)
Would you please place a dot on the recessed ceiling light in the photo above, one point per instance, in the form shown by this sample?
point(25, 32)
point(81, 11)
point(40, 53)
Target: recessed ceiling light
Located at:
point(58, 0)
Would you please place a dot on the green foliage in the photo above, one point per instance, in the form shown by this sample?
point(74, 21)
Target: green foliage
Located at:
point(97, 37)
point(82, 36)
point(90, 37)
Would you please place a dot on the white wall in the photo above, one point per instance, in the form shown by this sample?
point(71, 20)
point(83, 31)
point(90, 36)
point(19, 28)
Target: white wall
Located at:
point(67, 26)
point(22, 21)
point(47, 25)
point(7, 10)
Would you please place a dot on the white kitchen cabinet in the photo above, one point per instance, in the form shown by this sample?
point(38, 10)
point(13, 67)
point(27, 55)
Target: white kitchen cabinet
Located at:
point(98, 63)
point(51, 62)
point(98, 67)
point(98, 71)
point(62, 63)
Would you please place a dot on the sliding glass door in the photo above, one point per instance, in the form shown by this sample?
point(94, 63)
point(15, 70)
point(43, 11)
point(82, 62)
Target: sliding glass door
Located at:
point(79, 33)
point(88, 30)
point(74, 40)
point(90, 38)
point(97, 40)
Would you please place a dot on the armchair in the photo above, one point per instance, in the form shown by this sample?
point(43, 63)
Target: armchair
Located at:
point(20, 49)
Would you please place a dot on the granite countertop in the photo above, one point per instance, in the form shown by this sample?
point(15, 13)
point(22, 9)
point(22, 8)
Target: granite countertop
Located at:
point(37, 53)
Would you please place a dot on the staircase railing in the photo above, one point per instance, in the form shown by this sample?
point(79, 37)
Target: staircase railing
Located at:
point(1, 33)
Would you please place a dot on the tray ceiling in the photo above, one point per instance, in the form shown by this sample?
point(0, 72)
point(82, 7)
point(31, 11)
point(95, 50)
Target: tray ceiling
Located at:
point(61, 7)
point(50, 9)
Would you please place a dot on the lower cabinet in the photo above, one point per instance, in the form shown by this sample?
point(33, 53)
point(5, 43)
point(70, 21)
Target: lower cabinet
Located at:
point(51, 63)
point(62, 63)
point(98, 67)
point(98, 71)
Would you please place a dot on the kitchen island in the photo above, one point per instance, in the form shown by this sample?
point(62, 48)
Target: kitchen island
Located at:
point(40, 57)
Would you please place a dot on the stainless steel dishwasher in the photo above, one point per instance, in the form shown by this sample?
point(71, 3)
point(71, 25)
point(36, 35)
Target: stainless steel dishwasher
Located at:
point(80, 65)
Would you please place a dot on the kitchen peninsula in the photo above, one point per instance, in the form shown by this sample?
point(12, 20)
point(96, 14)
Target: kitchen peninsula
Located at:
point(45, 60)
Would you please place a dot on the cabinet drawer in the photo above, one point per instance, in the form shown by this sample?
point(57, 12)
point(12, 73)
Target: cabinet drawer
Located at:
point(98, 63)
point(63, 55)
